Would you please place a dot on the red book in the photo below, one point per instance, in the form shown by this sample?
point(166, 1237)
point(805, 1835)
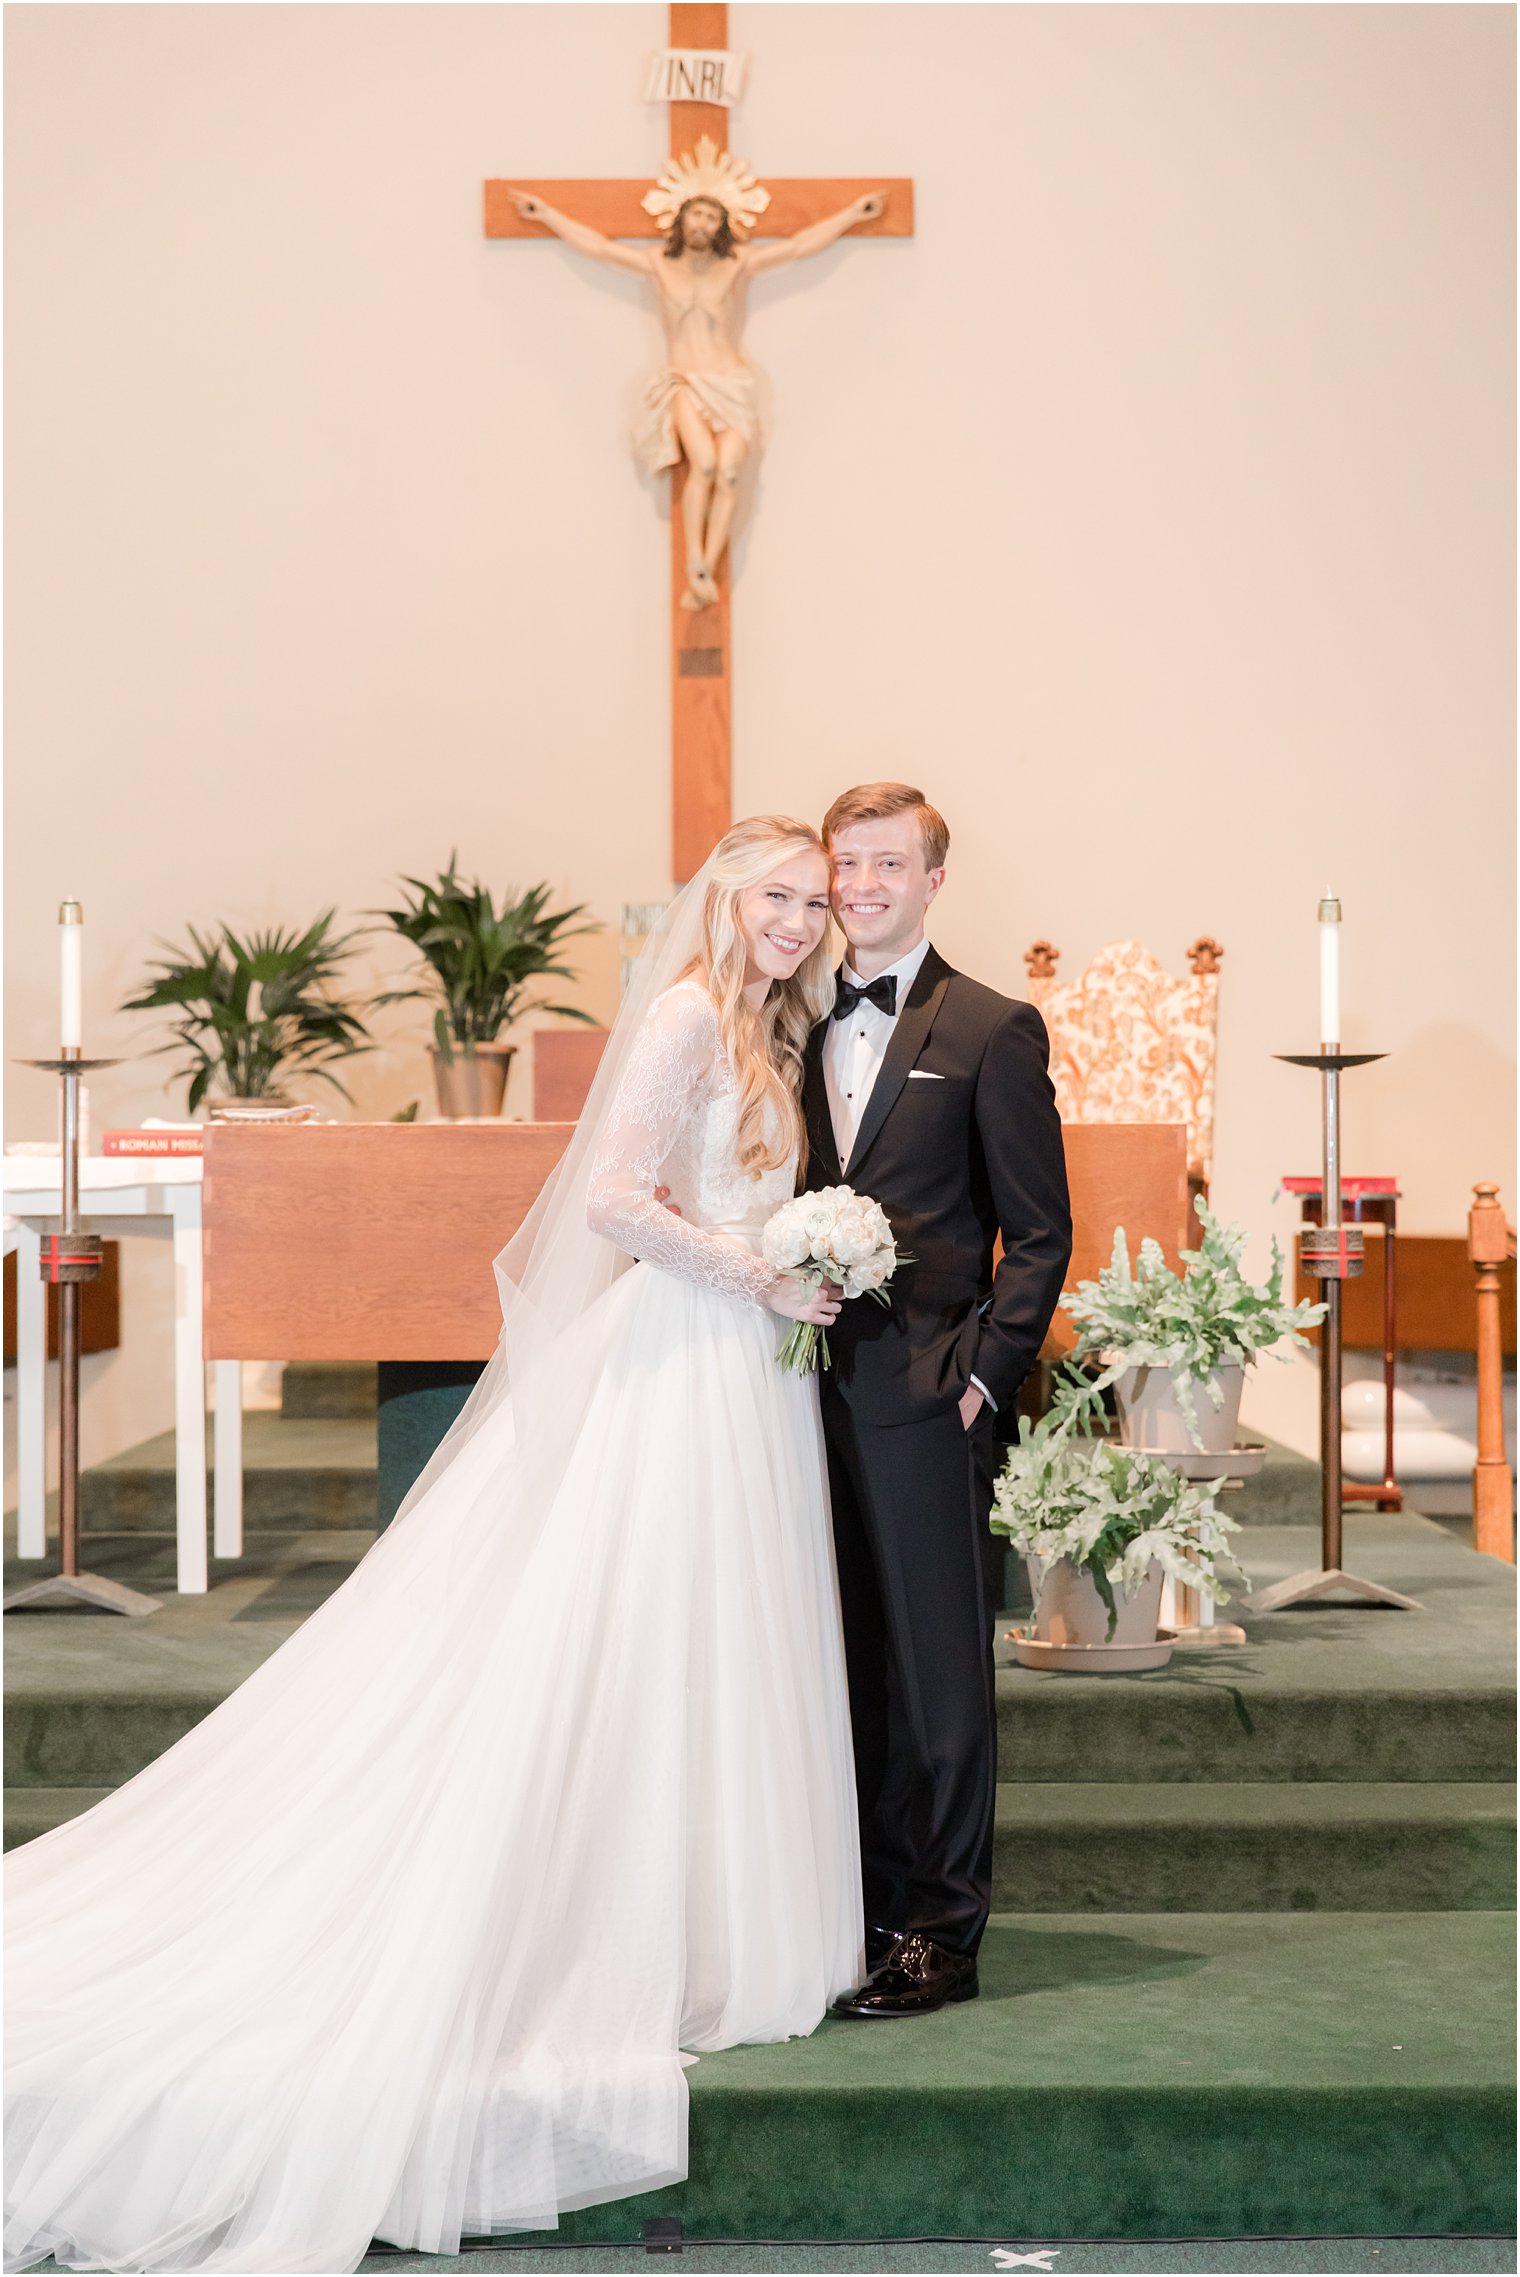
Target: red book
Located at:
point(1353, 1188)
point(157, 1143)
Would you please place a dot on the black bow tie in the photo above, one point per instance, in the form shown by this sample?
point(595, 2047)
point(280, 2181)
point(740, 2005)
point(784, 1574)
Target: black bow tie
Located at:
point(882, 993)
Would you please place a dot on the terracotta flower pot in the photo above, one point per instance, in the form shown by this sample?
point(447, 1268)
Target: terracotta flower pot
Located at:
point(1150, 1415)
point(473, 1082)
point(1069, 1610)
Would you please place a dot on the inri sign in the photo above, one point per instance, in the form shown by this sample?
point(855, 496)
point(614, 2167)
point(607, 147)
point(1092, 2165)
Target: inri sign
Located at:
point(696, 75)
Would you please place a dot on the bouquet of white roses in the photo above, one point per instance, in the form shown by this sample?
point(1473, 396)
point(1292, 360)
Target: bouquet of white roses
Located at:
point(833, 1235)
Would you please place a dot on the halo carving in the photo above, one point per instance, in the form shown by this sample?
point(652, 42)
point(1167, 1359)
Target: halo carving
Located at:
point(708, 172)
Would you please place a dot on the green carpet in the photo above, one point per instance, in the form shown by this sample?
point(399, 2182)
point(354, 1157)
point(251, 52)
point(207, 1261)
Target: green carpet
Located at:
point(1284, 1492)
point(1171, 2076)
point(1175, 1849)
point(1258, 1848)
point(298, 1471)
point(328, 1388)
point(90, 1699)
point(1246, 1980)
point(1200, 2257)
point(1316, 1692)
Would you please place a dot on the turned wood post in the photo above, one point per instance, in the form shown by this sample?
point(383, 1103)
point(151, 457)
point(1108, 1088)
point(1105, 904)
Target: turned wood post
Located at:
point(1490, 1243)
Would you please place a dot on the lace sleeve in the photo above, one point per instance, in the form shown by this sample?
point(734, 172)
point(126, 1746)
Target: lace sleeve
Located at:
point(669, 1068)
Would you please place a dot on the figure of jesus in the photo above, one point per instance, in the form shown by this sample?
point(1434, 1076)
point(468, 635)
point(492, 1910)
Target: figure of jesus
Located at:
point(702, 407)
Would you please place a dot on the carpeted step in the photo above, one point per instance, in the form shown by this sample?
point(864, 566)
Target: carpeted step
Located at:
point(296, 1474)
point(1200, 1849)
point(323, 1389)
point(30, 1811)
point(1173, 2075)
point(1209, 1848)
point(1325, 1694)
point(65, 1733)
point(100, 1737)
point(1286, 1491)
point(1217, 1725)
point(90, 1700)
point(1319, 1691)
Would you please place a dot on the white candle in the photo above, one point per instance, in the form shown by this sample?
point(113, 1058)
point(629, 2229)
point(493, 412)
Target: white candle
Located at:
point(71, 949)
point(1329, 973)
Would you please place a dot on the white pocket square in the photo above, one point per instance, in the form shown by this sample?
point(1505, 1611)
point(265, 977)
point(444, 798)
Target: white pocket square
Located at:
point(924, 1075)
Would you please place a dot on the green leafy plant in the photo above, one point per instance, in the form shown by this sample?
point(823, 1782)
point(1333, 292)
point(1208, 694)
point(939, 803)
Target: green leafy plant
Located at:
point(253, 1011)
point(481, 959)
point(1112, 1510)
point(1189, 1323)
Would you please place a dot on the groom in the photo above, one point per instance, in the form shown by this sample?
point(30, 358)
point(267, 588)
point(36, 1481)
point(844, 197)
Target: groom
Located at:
point(930, 1093)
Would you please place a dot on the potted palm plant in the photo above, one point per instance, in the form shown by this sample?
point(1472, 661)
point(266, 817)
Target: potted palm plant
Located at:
point(1160, 1338)
point(481, 963)
point(1101, 1525)
point(253, 1013)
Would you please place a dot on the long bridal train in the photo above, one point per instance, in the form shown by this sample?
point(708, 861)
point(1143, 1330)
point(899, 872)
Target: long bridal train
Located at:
point(405, 1939)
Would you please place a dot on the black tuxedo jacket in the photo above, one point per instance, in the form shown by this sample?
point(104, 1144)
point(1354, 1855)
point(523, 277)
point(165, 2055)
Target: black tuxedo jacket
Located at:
point(963, 1150)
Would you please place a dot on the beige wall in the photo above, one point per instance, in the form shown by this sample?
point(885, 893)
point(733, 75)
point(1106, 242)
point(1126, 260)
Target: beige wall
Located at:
point(1152, 507)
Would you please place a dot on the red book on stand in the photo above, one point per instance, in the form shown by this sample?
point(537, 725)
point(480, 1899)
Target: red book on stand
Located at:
point(1352, 1189)
point(158, 1144)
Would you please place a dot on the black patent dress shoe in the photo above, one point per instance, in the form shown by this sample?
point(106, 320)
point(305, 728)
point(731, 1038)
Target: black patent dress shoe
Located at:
point(880, 1945)
point(916, 1978)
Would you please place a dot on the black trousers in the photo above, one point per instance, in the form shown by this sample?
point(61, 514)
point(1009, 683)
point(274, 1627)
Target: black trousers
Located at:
point(910, 1528)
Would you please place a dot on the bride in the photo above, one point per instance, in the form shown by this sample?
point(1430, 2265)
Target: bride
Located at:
point(404, 1940)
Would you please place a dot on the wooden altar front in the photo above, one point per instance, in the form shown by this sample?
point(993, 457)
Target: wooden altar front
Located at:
point(374, 1241)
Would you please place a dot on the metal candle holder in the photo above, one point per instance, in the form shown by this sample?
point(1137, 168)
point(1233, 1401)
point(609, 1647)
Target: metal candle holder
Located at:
point(70, 1258)
point(1333, 1252)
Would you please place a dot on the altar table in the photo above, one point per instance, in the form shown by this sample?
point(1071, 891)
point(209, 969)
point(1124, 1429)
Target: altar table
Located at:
point(374, 1241)
point(120, 1197)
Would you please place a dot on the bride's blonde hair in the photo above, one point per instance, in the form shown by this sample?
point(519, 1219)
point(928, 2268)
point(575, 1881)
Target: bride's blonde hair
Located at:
point(764, 1047)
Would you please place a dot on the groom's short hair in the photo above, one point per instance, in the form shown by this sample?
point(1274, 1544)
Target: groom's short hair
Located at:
point(874, 802)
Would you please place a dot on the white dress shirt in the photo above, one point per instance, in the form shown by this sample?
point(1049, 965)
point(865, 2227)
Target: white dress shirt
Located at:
point(853, 1051)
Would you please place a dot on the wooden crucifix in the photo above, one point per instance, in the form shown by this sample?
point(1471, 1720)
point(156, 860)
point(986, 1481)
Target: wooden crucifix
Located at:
point(699, 423)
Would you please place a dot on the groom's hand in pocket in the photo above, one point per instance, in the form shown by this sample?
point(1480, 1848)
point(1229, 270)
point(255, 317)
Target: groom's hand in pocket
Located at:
point(970, 1405)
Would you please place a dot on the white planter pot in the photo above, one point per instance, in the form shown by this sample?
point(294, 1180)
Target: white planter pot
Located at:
point(1070, 1611)
point(1150, 1416)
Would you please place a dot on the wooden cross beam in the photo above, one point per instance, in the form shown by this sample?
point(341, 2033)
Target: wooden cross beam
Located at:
point(615, 208)
point(701, 701)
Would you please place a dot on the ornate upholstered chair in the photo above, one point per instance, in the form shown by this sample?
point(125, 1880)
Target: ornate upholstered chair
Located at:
point(1131, 1044)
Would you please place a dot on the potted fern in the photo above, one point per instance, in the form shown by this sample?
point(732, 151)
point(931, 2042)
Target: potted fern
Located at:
point(481, 963)
point(1101, 1525)
point(252, 1014)
point(1161, 1338)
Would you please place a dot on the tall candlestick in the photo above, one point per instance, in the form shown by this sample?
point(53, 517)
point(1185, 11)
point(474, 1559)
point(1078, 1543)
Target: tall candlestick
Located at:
point(1333, 1252)
point(70, 1257)
point(71, 952)
point(1329, 973)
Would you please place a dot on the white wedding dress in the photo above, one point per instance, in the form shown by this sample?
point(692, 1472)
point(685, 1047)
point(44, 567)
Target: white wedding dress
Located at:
point(405, 1939)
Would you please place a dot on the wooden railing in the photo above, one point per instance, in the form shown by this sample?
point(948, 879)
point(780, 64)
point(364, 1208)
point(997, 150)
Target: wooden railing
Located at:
point(1491, 1245)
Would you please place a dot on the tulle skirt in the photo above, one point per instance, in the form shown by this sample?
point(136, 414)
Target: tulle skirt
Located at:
point(405, 1939)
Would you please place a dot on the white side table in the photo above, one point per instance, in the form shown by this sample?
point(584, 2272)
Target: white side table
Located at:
point(120, 1197)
